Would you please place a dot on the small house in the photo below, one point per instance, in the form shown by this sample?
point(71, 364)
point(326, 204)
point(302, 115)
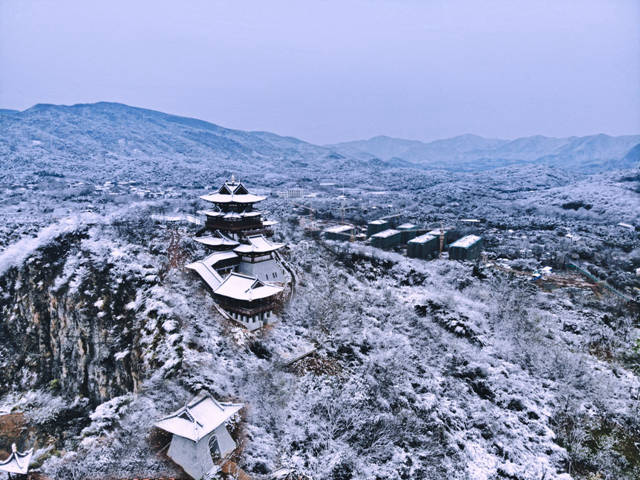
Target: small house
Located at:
point(467, 248)
point(199, 432)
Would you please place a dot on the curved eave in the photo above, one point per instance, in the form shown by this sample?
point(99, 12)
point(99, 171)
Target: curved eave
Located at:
point(225, 198)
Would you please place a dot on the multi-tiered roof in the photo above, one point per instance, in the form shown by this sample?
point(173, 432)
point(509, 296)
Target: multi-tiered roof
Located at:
point(234, 213)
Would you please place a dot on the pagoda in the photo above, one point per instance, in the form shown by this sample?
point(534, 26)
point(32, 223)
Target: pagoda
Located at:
point(234, 216)
point(245, 273)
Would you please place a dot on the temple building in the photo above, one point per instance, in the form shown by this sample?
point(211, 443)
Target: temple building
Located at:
point(17, 462)
point(234, 214)
point(246, 273)
point(200, 433)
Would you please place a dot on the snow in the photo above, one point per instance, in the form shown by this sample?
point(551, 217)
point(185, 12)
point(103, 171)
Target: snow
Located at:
point(199, 417)
point(243, 287)
point(386, 233)
point(339, 229)
point(466, 242)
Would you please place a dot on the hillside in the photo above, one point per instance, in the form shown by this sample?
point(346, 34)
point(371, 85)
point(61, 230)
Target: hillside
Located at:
point(425, 369)
point(473, 153)
point(134, 143)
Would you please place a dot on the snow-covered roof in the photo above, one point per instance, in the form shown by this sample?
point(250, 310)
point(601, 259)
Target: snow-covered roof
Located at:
point(466, 242)
point(17, 462)
point(386, 233)
point(245, 287)
point(258, 244)
point(438, 231)
point(206, 268)
point(269, 223)
point(406, 226)
point(213, 213)
point(217, 257)
point(199, 417)
point(339, 229)
point(216, 241)
point(377, 222)
point(226, 198)
point(423, 238)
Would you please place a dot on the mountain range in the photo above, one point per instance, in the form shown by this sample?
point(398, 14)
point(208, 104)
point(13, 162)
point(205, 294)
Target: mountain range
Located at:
point(471, 152)
point(112, 138)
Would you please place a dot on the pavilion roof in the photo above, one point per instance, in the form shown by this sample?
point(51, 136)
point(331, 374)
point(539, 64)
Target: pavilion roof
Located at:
point(217, 239)
point(258, 244)
point(17, 462)
point(232, 198)
point(245, 287)
point(199, 417)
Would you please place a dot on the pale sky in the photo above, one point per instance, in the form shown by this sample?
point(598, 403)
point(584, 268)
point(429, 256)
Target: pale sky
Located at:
point(330, 71)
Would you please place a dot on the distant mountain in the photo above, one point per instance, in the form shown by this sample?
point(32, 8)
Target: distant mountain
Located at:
point(471, 152)
point(115, 140)
point(633, 156)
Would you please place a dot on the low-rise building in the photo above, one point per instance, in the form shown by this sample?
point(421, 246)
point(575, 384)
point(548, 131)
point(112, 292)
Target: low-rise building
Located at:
point(339, 232)
point(424, 246)
point(199, 432)
point(387, 238)
point(467, 248)
point(408, 230)
point(376, 226)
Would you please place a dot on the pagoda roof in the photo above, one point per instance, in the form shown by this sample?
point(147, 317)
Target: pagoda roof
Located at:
point(217, 239)
point(231, 198)
point(258, 244)
point(245, 287)
point(199, 417)
point(17, 462)
point(232, 191)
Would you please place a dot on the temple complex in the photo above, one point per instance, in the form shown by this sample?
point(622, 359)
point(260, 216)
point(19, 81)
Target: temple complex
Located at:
point(245, 272)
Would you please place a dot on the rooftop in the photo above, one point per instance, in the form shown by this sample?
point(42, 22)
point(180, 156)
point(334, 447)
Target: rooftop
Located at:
point(423, 238)
point(339, 229)
point(17, 462)
point(386, 233)
point(377, 222)
point(217, 240)
point(466, 242)
point(199, 417)
point(258, 244)
point(232, 198)
point(406, 226)
point(245, 287)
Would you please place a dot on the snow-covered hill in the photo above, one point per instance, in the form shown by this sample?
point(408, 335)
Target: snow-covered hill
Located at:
point(471, 152)
point(114, 140)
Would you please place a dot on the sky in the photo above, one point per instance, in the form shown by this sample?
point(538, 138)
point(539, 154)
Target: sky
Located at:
point(330, 71)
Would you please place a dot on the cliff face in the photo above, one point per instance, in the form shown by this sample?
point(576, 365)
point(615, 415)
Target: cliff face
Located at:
point(69, 322)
